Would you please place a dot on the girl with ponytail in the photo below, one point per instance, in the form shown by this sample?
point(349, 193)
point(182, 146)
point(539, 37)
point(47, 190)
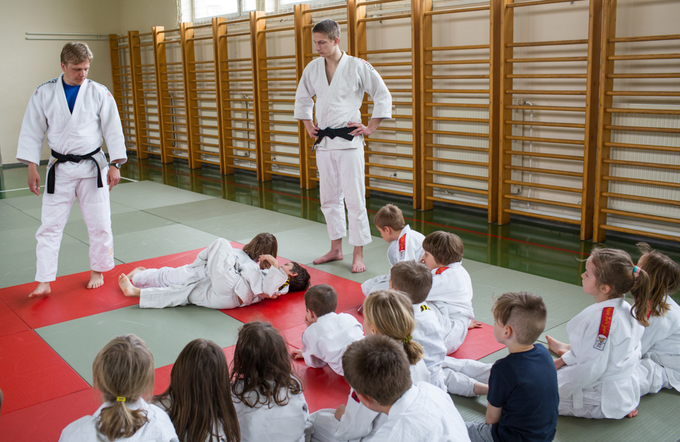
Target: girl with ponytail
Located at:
point(123, 372)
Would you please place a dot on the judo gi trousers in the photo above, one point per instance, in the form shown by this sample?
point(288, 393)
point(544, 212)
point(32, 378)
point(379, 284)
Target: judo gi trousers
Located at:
point(341, 176)
point(460, 375)
point(96, 210)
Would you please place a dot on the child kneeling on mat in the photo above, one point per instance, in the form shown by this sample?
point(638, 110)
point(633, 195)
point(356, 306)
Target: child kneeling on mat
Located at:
point(221, 277)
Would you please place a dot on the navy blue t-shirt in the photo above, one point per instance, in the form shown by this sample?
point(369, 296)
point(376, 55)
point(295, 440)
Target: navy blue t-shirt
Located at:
point(71, 94)
point(524, 385)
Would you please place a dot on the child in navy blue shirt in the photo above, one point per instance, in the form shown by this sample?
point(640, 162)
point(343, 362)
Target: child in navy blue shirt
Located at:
point(523, 398)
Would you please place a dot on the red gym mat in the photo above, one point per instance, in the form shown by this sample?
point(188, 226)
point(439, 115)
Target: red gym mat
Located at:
point(10, 322)
point(478, 343)
point(45, 421)
point(31, 372)
point(323, 387)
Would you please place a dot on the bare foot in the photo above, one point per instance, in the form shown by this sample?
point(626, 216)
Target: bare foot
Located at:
point(474, 324)
point(333, 255)
point(127, 287)
point(96, 280)
point(632, 413)
point(42, 290)
point(557, 347)
point(135, 271)
point(358, 260)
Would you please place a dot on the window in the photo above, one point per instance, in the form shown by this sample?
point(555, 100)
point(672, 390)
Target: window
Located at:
point(202, 10)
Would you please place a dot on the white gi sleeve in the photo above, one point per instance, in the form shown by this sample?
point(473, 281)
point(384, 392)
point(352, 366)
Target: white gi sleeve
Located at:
point(112, 128)
point(585, 363)
point(357, 421)
point(304, 105)
point(309, 348)
point(374, 86)
point(33, 130)
point(273, 280)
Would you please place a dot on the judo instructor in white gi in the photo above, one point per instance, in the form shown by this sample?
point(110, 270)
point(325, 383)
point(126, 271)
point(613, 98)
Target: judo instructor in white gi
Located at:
point(75, 113)
point(339, 82)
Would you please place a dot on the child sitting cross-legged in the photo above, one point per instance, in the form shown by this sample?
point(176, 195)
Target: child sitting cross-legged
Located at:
point(377, 368)
point(451, 291)
point(221, 277)
point(405, 244)
point(523, 397)
point(328, 334)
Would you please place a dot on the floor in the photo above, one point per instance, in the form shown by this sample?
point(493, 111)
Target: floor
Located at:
point(162, 210)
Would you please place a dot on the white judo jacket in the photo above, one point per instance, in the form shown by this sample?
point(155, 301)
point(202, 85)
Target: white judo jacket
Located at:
point(325, 341)
point(339, 102)
point(600, 366)
point(95, 116)
point(661, 344)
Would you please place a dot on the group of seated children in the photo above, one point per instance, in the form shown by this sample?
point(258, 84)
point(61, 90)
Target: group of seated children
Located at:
point(400, 372)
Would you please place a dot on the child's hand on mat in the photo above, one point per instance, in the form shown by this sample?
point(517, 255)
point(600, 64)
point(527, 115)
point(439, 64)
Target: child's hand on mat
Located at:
point(297, 354)
point(268, 261)
point(272, 296)
point(474, 324)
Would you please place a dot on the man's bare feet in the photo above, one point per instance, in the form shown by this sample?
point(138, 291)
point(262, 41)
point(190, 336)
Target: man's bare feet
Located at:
point(96, 280)
point(127, 287)
point(42, 290)
point(334, 255)
point(135, 271)
point(632, 413)
point(358, 260)
point(557, 347)
point(474, 324)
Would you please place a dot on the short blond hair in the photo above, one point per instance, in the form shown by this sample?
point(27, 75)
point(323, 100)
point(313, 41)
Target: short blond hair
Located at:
point(76, 53)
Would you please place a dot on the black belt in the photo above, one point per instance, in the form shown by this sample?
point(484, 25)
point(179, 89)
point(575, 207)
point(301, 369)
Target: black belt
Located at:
point(342, 132)
point(51, 175)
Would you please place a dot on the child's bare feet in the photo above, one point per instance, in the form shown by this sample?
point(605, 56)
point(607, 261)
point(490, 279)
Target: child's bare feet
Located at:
point(135, 271)
point(127, 287)
point(474, 324)
point(557, 347)
point(42, 290)
point(632, 413)
point(358, 260)
point(96, 280)
point(333, 255)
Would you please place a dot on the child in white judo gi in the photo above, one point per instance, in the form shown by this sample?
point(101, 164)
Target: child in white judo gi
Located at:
point(660, 364)
point(377, 368)
point(266, 391)
point(523, 395)
point(339, 82)
point(596, 369)
point(451, 291)
point(75, 114)
point(415, 280)
point(327, 334)
point(123, 372)
point(388, 313)
point(198, 399)
point(221, 277)
point(405, 244)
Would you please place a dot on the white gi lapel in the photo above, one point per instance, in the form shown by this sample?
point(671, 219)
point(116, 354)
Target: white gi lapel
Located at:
point(73, 120)
point(332, 89)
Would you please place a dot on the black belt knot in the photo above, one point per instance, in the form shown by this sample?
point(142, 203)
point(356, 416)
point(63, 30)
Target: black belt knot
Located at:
point(61, 158)
point(342, 132)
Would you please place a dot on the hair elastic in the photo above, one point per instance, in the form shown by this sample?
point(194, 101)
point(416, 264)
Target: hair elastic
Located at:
point(636, 270)
point(406, 340)
point(120, 399)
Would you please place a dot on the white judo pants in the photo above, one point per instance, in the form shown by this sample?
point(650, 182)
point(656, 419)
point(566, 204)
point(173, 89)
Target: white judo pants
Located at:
point(461, 375)
point(341, 176)
point(455, 337)
point(167, 276)
point(653, 376)
point(96, 210)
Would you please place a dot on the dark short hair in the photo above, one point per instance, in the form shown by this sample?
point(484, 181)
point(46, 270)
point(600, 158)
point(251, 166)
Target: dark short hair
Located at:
point(300, 281)
point(390, 216)
point(321, 299)
point(524, 312)
point(329, 28)
point(412, 278)
point(445, 247)
point(377, 367)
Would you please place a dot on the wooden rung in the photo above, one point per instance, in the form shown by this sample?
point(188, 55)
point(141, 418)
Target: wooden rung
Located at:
point(641, 198)
point(643, 111)
point(544, 92)
point(456, 91)
point(659, 75)
point(456, 48)
point(545, 171)
point(385, 17)
point(386, 51)
point(642, 147)
point(543, 186)
point(174, 140)
point(244, 129)
point(468, 120)
point(379, 140)
point(543, 155)
point(206, 37)
point(392, 64)
point(200, 143)
point(453, 161)
point(465, 105)
point(541, 201)
point(175, 132)
point(453, 147)
point(537, 3)
point(281, 143)
point(546, 140)
point(281, 29)
point(240, 139)
point(458, 134)
point(550, 108)
point(457, 10)
point(278, 111)
point(457, 202)
point(546, 43)
point(388, 178)
point(644, 57)
point(457, 188)
point(285, 154)
point(279, 57)
point(641, 181)
point(454, 77)
point(451, 62)
point(324, 9)
point(236, 60)
point(235, 34)
point(268, 121)
point(280, 132)
point(239, 99)
point(278, 89)
point(545, 59)
point(277, 100)
point(668, 130)
point(641, 216)
point(546, 76)
point(643, 93)
point(389, 154)
point(640, 232)
point(638, 164)
point(392, 167)
point(546, 124)
point(277, 68)
point(645, 38)
point(282, 79)
point(454, 175)
point(282, 163)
